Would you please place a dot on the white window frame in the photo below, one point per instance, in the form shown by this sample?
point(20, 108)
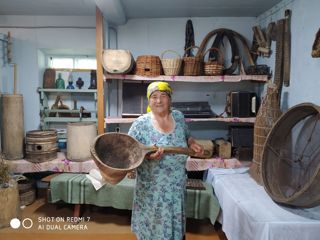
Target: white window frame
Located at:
point(74, 59)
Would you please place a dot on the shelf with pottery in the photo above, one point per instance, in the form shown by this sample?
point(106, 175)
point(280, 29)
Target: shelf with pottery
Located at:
point(68, 115)
point(115, 120)
point(204, 79)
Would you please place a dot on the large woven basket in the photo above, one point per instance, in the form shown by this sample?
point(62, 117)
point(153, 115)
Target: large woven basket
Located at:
point(192, 65)
point(148, 65)
point(171, 66)
point(268, 114)
point(213, 67)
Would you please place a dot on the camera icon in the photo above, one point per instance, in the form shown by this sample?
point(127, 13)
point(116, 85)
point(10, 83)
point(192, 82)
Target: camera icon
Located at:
point(26, 223)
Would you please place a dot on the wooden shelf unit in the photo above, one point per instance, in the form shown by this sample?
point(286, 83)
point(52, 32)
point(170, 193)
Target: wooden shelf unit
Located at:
point(112, 120)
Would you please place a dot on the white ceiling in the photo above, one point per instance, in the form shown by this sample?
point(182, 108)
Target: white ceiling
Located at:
point(139, 8)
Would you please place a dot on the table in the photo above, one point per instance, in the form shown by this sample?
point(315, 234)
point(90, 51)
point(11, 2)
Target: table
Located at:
point(249, 213)
point(60, 164)
point(63, 164)
point(77, 189)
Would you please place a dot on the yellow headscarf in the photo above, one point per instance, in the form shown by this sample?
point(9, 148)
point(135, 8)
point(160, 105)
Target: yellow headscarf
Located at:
point(158, 86)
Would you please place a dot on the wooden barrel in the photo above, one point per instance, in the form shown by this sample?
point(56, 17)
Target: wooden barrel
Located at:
point(12, 126)
point(117, 61)
point(80, 137)
point(41, 146)
point(10, 206)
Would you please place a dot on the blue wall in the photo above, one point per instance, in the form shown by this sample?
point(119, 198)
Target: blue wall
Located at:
point(305, 22)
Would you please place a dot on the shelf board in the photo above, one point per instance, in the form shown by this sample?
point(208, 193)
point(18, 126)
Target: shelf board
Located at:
point(68, 111)
point(73, 70)
point(67, 90)
point(68, 119)
point(204, 79)
point(113, 120)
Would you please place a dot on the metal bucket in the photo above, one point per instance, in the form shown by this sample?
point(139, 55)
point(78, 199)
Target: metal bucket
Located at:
point(80, 137)
point(41, 146)
point(12, 126)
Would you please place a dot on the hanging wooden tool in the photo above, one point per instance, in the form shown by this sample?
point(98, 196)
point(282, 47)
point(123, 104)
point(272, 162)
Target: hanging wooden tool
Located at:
point(189, 39)
point(278, 75)
point(316, 46)
point(287, 48)
point(263, 48)
point(283, 49)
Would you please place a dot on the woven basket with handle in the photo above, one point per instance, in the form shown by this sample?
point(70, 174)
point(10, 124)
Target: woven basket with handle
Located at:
point(171, 66)
point(213, 67)
point(192, 65)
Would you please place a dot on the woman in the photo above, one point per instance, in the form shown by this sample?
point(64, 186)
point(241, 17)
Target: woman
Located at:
point(159, 201)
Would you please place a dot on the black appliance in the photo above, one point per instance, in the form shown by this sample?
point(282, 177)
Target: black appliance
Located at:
point(241, 136)
point(242, 104)
point(194, 109)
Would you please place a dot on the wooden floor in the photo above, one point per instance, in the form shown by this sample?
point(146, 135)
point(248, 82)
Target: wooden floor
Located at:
point(55, 222)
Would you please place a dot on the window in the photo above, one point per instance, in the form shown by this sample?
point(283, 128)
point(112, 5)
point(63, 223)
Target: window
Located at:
point(73, 62)
point(85, 63)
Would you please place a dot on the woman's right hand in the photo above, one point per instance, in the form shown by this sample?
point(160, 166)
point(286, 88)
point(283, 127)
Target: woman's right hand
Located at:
point(155, 155)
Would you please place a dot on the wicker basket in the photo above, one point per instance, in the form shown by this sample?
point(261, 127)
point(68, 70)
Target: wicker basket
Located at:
point(192, 65)
point(148, 65)
point(27, 198)
point(213, 67)
point(171, 66)
point(27, 191)
point(268, 114)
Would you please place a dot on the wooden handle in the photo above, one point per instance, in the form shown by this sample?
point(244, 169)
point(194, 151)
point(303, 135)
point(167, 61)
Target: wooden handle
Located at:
point(14, 78)
point(177, 150)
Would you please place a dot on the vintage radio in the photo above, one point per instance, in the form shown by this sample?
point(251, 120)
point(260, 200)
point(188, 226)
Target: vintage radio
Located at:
point(242, 104)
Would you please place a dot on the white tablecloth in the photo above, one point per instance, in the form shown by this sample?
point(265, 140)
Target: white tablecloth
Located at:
point(249, 213)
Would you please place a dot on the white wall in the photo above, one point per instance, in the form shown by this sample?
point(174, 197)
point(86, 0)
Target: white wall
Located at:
point(153, 36)
point(304, 82)
point(31, 34)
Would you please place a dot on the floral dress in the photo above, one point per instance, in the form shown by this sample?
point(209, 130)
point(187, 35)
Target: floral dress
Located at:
point(159, 201)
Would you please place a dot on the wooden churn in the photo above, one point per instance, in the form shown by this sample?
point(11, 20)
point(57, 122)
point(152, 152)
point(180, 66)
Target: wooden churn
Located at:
point(12, 126)
point(80, 137)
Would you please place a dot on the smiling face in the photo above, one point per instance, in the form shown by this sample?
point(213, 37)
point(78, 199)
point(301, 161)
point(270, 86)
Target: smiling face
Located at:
point(160, 102)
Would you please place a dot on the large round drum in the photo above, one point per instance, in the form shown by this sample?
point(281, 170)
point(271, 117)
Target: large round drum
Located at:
point(291, 157)
point(41, 146)
point(80, 137)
